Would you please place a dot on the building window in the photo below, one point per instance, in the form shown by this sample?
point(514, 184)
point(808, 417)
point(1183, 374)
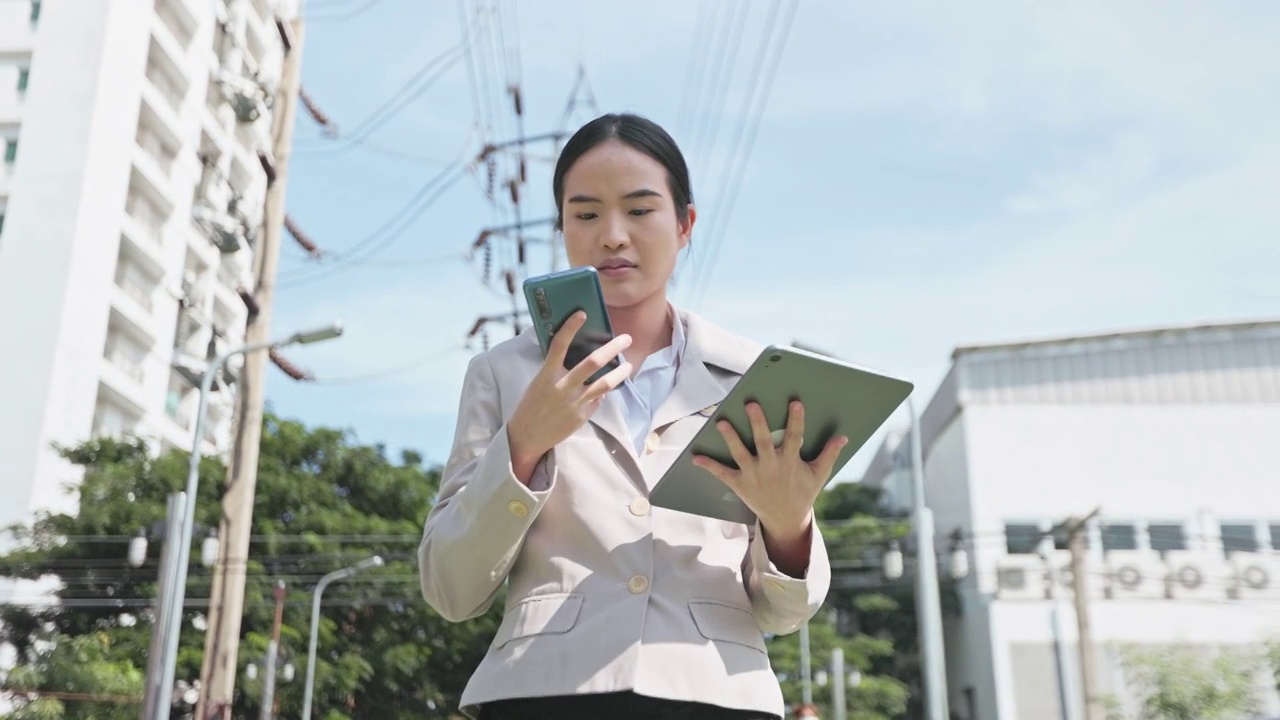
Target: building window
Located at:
point(1119, 537)
point(10, 150)
point(24, 76)
point(1275, 536)
point(35, 10)
point(1, 221)
point(1166, 537)
point(1239, 537)
point(1022, 539)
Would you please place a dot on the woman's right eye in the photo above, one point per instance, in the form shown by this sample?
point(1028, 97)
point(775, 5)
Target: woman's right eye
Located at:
point(586, 216)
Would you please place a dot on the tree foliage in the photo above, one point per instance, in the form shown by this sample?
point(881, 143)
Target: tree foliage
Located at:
point(873, 623)
point(322, 502)
point(1187, 682)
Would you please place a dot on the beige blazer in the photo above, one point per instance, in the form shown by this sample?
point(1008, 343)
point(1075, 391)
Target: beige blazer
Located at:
point(605, 592)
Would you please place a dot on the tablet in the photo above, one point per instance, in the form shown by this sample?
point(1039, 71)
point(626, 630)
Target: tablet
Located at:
point(839, 399)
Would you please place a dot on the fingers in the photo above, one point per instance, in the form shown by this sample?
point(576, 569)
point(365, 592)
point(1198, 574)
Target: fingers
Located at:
point(723, 473)
point(607, 382)
point(823, 464)
point(793, 437)
point(558, 348)
point(760, 430)
point(737, 449)
point(598, 358)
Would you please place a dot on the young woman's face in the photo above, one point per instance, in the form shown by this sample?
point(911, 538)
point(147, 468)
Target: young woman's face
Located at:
point(619, 217)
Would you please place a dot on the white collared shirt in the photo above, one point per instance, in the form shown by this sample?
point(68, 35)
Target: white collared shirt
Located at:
point(639, 397)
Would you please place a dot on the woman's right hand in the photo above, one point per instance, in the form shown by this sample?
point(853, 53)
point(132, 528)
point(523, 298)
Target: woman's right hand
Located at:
point(558, 401)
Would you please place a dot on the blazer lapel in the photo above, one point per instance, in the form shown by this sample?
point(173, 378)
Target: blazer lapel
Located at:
point(697, 387)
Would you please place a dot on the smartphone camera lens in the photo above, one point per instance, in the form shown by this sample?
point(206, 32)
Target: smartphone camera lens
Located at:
point(540, 299)
point(775, 358)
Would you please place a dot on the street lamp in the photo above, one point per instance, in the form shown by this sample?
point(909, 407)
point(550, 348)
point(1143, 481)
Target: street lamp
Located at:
point(309, 686)
point(176, 597)
point(928, 600)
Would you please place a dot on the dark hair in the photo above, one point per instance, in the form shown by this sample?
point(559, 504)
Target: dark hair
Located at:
point(640, 133)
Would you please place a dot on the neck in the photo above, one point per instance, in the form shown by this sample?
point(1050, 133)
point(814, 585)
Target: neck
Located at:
point(647, 323)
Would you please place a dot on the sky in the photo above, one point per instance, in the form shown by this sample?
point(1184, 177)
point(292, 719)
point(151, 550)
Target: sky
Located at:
point(921, 177)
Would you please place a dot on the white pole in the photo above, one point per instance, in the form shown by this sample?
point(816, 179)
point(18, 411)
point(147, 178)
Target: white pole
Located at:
point(839, 710)
point(928, 599)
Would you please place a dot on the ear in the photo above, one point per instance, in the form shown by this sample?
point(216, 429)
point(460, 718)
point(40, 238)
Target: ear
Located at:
point(686, 227)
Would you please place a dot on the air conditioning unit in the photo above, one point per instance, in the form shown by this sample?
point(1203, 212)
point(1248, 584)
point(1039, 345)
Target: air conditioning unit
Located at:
point(224, 230)
point(1064, 581)
point(1257, 576)
point(1135, 575)
point(1196, 575)
point(1020, 577)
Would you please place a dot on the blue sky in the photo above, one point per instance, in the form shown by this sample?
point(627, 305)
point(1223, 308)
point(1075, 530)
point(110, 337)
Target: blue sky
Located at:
point(923, 176)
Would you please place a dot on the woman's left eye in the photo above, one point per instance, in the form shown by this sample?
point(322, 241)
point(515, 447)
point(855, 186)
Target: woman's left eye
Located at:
point(641, 211)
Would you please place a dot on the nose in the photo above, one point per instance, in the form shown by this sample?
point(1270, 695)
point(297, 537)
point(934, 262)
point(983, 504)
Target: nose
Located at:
point(614, 233)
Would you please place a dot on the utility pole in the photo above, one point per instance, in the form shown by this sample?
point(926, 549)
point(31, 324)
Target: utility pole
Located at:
point(226, 605)
point(273, 658)
point(159, 627)
point(839, 706)
point(1075, 528)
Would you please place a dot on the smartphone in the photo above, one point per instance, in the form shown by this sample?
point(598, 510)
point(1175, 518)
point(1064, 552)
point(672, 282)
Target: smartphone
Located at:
point(554, 297)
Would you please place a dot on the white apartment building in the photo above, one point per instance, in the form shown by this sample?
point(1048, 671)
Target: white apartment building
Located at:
point(1172, 433)
point(129, 197)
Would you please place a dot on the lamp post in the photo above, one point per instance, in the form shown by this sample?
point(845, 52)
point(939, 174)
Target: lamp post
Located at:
point(309, 685)
point(176, 597)
point(928, 597)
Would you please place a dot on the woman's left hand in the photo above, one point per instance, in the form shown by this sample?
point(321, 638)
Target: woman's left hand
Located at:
point(777, 484)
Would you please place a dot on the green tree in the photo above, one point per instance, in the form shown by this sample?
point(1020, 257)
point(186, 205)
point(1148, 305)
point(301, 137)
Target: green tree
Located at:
point(1187, 682)
point(866, 619)
point(322, 502)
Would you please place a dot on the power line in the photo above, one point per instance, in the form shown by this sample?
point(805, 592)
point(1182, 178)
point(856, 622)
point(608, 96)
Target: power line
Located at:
point(726, 212)
point(386, 233)
point(393, 370)
point(423, 79)
point(362, 9)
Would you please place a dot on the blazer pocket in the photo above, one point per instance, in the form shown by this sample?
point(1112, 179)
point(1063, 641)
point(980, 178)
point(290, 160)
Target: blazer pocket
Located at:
point(553, 614)
point(727, 623)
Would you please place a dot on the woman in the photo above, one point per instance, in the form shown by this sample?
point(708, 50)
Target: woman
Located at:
point(615, 608)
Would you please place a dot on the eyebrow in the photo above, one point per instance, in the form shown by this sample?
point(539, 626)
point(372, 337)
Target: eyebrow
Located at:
point(641, 193)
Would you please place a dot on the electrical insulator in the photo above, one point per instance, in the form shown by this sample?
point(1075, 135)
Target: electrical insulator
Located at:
point(488, 262)
point(491, 170)
point(138, 549)
point(517, 100)
point(515, 190)
point(958, 563)
point(484, 340)
point(893, 561)
point(209, 551)
point(511, 282)
point(524, 170)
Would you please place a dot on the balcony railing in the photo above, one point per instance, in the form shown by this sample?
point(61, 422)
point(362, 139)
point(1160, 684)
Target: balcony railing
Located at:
point(135, 291)
point(167, 87)
point(149, 219)
point(129, 362)
point(157, 150)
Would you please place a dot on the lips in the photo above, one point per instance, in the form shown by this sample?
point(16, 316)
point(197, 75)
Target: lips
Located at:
point(616, 264)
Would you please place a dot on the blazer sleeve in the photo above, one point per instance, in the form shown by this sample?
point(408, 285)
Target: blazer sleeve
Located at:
point(781, 603)
point(476, 528)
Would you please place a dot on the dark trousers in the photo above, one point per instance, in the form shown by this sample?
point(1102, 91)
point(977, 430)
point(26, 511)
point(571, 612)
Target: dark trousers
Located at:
point(611, 706)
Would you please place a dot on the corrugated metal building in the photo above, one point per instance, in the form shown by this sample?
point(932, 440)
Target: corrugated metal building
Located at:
point(1173, 433)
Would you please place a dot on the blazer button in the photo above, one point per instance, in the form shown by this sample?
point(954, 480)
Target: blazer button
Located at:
point(518, 508)
point(640, 507)
point(638, 584)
